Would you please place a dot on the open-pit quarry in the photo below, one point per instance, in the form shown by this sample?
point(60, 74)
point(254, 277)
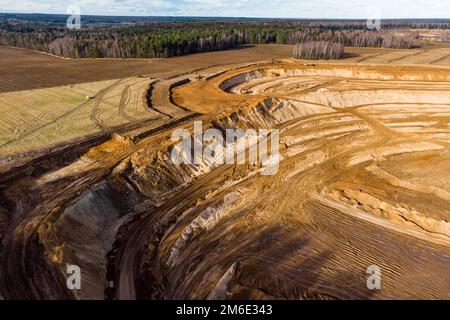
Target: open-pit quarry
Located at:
point(363, 180)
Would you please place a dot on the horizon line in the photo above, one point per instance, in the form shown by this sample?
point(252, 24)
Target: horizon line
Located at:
point(215, 17)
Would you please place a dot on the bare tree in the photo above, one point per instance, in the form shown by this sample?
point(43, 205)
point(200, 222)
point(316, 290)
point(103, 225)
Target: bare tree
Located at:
point(319, 50)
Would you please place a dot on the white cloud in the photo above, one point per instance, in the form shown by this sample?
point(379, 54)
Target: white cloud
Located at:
point(349, 9)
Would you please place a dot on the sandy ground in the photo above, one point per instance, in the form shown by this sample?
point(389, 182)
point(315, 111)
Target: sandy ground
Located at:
point(362, 180)
point(24, 69)
point(47, 100)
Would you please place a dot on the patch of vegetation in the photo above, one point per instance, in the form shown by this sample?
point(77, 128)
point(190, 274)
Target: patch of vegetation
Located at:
point(319, 50)
point(117, 37)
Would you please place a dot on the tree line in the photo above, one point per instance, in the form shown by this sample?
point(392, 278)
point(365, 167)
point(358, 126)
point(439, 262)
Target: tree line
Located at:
point(178, 38)
point(319, 50)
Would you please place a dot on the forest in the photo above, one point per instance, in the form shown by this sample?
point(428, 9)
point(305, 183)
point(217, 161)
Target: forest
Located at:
point(319, 50)
point(109, 37)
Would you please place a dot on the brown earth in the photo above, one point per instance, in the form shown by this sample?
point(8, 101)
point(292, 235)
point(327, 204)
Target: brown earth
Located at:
point(362, 180)
point(23, 69)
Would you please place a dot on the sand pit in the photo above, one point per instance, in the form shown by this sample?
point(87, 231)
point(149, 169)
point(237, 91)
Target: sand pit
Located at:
point(362, 180)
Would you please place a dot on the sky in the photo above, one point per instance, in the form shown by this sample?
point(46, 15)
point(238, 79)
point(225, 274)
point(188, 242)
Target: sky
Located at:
point(325, 9)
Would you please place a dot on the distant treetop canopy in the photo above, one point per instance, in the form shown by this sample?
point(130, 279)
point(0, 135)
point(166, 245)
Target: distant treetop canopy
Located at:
point(164, 37)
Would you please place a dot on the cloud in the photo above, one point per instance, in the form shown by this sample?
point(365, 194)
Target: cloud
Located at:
point(342, 9)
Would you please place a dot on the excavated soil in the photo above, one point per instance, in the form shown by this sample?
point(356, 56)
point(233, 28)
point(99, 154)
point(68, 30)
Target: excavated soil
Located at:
point(363, 180)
